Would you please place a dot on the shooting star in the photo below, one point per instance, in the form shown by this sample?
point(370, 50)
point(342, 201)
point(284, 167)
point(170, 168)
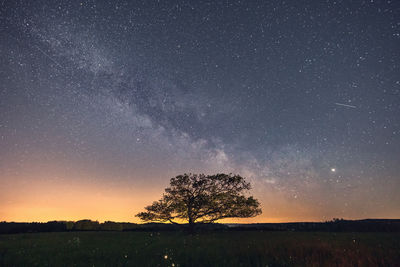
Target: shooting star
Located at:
point(345, 105)
point(49, 57)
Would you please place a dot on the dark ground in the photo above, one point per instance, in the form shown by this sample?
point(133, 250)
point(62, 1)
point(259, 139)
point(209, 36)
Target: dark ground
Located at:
point(216, 248)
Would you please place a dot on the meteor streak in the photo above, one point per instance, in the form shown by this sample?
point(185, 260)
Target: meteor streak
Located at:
point(49, 57)
point(345, 105)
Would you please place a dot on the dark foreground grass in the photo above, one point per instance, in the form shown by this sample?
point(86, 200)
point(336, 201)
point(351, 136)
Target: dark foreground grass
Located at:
point(245, 248)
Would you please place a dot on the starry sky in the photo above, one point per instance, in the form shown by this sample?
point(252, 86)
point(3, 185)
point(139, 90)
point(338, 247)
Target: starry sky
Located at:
point(102, 102)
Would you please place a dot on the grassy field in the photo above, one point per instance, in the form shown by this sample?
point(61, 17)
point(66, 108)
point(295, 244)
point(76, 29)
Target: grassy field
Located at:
point(245, 248)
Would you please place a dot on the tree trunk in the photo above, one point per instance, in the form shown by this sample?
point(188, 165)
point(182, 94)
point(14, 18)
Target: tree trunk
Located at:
point(191, 227)
point(191, 223)
point(190, 216)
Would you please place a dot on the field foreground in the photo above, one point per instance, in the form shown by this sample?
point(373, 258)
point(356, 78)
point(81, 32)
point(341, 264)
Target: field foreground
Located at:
point(235, 248)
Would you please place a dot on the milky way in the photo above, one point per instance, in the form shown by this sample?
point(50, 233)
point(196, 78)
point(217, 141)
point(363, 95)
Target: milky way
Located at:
point(108, 100)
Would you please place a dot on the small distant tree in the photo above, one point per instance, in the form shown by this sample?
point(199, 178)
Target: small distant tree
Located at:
point(69, 225)
point(86, 225)
point(199, 198)
point(111, 226)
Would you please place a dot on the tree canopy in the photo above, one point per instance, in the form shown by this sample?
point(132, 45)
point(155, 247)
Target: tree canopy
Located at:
point(199, 198)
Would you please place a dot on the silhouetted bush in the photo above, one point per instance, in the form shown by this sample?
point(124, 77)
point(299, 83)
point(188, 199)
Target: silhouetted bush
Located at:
point(111, 226)
point(86, 225)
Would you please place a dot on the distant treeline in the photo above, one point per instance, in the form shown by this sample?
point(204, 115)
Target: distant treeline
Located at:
point(82, 225)
point(336, 225)
point(88, 225)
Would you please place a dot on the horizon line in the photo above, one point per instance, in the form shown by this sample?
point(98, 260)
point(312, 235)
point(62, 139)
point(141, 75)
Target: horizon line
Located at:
point(333, 219)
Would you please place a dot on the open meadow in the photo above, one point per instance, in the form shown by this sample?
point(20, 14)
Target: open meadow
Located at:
point(223, 248)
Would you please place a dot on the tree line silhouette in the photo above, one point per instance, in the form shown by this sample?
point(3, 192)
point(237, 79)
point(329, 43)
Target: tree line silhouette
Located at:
point(336, 225)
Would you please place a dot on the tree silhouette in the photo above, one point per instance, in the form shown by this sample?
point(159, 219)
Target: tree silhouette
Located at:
point(197, 198)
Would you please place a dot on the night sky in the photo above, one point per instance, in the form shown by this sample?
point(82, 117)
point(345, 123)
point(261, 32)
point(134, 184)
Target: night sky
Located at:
point(102, 102)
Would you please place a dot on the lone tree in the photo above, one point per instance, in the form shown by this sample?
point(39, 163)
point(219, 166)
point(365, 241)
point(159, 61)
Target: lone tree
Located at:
point(199, 198)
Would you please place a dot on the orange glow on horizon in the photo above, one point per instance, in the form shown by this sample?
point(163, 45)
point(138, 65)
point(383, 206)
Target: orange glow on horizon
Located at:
point(49, 200)
point(71, 200)
point(41, 195)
